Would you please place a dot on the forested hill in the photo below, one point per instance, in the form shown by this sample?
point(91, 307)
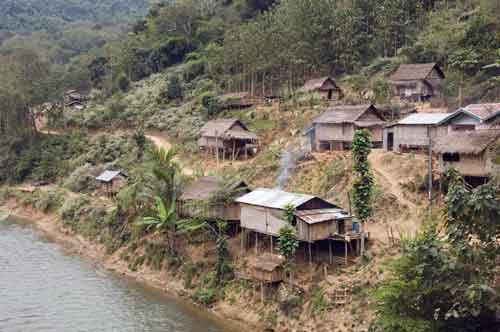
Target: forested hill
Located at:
point(50, 15)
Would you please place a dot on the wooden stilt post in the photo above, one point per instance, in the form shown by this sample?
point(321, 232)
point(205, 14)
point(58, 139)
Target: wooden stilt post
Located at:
point(256, 243)
point(246, 152)
point(345, 244)
point(242, 240)
point(310, 253)
point(330, 251)
point(262, 292)
point(234, 150)
point(271, 242)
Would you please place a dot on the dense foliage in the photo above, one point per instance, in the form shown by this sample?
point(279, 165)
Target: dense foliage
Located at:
point(446, 283)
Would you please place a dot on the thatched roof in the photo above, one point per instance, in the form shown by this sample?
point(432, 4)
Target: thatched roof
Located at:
point(227, 129)
point(267, 262)
point(205, 187)
point(318, 84)
point(348, 114)
point(415, 71)
point(474, 142)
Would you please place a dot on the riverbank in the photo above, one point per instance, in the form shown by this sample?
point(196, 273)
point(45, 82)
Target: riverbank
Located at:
point(52, 227)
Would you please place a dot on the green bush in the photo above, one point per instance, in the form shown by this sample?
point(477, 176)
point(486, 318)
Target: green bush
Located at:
point(49, 200)
point(205, 296)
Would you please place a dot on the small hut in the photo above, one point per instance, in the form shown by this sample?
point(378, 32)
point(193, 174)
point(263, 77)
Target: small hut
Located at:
point(417, 82)
point(111, 181)
point(474, 154)
point(334, 129)
point(267, 268)
point(227, 137)
point(202, 190)
point(325, 87)
point(262, 212)
point(472, 117)
point(413, 132)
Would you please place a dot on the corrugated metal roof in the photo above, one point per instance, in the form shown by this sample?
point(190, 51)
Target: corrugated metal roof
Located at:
point(274, 198)
point(424, 119)
point(321, 215)
point(108, 176)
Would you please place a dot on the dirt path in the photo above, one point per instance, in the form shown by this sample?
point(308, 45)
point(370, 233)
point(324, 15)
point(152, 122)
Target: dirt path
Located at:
point(381, 173)
point(157, 140)
point(407, 214)
point(161, 142)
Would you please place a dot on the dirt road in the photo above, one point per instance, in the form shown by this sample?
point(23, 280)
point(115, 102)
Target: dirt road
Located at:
point(157, 140)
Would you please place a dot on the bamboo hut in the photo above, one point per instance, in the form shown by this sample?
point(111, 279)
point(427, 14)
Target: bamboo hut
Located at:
point(414, 132)
point(267, 268)
point(325, 87)
point(334, 129)
point(111, 182)
point(227, 138)
point(196, 198)
point(417, 82)
point(472, 117)
point(474, 154)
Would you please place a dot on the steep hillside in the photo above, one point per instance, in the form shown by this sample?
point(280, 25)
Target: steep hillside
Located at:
point(53, 15)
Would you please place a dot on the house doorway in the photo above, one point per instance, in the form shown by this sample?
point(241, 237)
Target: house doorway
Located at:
point(390, 141)
point(330, 94)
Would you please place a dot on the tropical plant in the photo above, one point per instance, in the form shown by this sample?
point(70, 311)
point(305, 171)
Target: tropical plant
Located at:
point(363, 184)
point(289, 213)
point(432, 289)
point(165, 170)
point(164, 220)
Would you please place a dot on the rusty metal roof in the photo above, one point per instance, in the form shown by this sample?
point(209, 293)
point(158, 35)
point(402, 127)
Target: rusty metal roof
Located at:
point(277, 199)
point(321, 215)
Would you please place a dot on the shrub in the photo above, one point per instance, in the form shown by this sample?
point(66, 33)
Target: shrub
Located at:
point(205, 296)
point(49, 200)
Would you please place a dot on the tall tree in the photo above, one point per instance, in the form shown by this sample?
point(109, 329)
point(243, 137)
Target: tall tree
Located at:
point(362, 187)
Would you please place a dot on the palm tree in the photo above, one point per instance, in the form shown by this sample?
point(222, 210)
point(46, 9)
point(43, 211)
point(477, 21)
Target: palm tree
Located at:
point(165, 170)
point(164, 220)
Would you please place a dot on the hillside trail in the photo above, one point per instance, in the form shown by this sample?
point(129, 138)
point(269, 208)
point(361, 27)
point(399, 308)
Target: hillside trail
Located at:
point(406, 215)
point(158, 141)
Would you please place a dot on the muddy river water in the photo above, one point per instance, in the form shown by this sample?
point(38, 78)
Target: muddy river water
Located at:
point(43, 287)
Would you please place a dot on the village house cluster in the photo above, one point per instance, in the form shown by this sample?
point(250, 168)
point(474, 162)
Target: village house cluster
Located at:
point(464, 140)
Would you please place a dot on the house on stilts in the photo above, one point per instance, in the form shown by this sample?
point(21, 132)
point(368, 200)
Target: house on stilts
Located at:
point(325, 87)
point(335, 128)
point(228, 139)
point(315, 220)
point(473, 154)
point(414, 132)
point(417, 82)
point(201, 198)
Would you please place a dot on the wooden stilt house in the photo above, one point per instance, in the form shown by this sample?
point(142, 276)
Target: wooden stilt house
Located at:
point(418, 82)
point(334, 129)
point(325, 87)
point(474, 154)
point(200, 197)
point(111, 182)
point(262, 212)
point(227, 138)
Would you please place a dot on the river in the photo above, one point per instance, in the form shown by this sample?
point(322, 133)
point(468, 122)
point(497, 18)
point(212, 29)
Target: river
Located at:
point(44, 287)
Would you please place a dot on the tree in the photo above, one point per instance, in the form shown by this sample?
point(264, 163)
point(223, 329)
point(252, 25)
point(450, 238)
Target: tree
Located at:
point(431, 289)
point(362, 187)
point(463, 60)
point(164, 220)
point(165, 170)
point(174, 88)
